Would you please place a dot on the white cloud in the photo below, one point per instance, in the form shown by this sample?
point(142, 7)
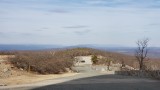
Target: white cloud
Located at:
point(79, 25)
point(82, 32)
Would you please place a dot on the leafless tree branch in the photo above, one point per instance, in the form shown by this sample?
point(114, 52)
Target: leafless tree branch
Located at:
point(141, 51)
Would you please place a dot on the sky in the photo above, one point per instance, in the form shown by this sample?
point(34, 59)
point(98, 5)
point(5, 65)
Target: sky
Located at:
point(73, 22)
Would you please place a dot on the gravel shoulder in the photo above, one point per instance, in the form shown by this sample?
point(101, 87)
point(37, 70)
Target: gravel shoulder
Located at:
point(31, 78)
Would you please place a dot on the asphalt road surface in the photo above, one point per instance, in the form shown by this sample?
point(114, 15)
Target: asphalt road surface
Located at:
point(94, 80)
point(105, 82)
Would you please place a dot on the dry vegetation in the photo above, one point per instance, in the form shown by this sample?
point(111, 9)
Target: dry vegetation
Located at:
point(59, 61)
point(54, 62)
point(41, 62)
point(115, 57)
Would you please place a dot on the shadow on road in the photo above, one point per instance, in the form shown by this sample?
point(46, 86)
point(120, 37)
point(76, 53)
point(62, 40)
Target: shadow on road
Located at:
point(105, 82)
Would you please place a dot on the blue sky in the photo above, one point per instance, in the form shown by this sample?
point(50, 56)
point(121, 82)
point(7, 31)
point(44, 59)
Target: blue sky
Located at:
point(72, 22)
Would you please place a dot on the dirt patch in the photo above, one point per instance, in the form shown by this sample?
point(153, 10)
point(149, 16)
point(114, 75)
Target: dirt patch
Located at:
point(32, 78)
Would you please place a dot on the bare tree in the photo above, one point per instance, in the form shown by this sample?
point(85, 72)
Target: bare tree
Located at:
point(141, 52)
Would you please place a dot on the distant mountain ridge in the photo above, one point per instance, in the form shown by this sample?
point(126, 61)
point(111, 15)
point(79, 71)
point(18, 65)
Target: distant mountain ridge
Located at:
point(41, 47)
point(153, 51)
point(28, 47)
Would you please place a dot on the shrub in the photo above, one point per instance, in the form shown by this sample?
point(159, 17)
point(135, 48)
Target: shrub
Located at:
point(41, 62)
point(94, 59)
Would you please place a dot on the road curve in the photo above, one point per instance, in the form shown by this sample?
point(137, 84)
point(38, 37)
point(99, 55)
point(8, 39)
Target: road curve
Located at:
point(105, 82)
point(92, 81)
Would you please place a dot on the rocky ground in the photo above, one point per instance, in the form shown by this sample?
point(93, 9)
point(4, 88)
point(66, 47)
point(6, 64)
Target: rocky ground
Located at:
point(6, 68)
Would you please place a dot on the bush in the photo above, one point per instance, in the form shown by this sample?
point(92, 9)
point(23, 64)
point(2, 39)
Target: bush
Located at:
point(41, 62)
point(94, 59)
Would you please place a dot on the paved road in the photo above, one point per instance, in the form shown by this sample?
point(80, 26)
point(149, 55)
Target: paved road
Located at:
point(105, 82)
point(94, 80)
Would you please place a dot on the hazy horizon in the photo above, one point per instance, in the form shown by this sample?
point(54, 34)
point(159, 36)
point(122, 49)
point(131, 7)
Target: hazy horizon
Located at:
point(78, 22)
